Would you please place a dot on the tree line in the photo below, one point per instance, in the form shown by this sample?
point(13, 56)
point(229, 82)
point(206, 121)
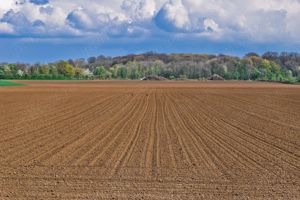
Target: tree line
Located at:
point(271, 66)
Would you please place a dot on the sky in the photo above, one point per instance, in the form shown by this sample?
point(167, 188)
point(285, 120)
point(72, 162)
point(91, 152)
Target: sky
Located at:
point(50, 30)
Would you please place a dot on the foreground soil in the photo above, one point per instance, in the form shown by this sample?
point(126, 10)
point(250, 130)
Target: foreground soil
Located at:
point(149, 140)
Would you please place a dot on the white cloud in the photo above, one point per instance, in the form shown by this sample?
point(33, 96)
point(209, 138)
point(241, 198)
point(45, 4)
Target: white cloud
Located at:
point(6, 28)
point(139, 9)
point(78, 18)
point(8, 4)
point(211, 26)
point(175, 16)
point(253, 20)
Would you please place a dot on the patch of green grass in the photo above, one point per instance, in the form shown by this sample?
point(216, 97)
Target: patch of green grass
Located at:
point(9, 83)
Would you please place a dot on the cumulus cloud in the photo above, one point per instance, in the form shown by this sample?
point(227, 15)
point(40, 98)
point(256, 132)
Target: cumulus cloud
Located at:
point(139, 9)
point(6, 5)
point(15, 18)
point(78, 18)
point(102, 23)
point(6, 28)
point(174, 16)
point(46, 10)
point(255, 20)
point(210, 25)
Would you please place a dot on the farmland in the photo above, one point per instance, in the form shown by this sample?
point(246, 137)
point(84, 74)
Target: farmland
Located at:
point(150, 140)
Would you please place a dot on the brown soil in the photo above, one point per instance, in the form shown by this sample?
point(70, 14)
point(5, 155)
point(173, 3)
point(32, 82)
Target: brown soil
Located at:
point(149, 140)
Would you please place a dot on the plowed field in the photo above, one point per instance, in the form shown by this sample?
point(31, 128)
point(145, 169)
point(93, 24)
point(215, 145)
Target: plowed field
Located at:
point(149, 140)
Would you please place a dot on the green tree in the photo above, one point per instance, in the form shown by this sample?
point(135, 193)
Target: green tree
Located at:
point(114, 71)
point(154, 68)
point(19, 74)
point(88, 74)
point(66, 69)
point(241, 72)
point(100, 72)
point(122, 72)
point(108, 75)
point(2, 73)
point(217, 69)
point(255, 74)
point(53, 71)
point(265, 69)
point(134, 71)
point(205, 73)
point(44, 69)
point(8, 74)
point(79, 73)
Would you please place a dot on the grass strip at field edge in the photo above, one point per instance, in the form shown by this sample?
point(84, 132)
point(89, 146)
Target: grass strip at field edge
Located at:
point(9, 83)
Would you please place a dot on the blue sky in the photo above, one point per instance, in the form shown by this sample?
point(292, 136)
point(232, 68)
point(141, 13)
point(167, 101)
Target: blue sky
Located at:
point(49, 30)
